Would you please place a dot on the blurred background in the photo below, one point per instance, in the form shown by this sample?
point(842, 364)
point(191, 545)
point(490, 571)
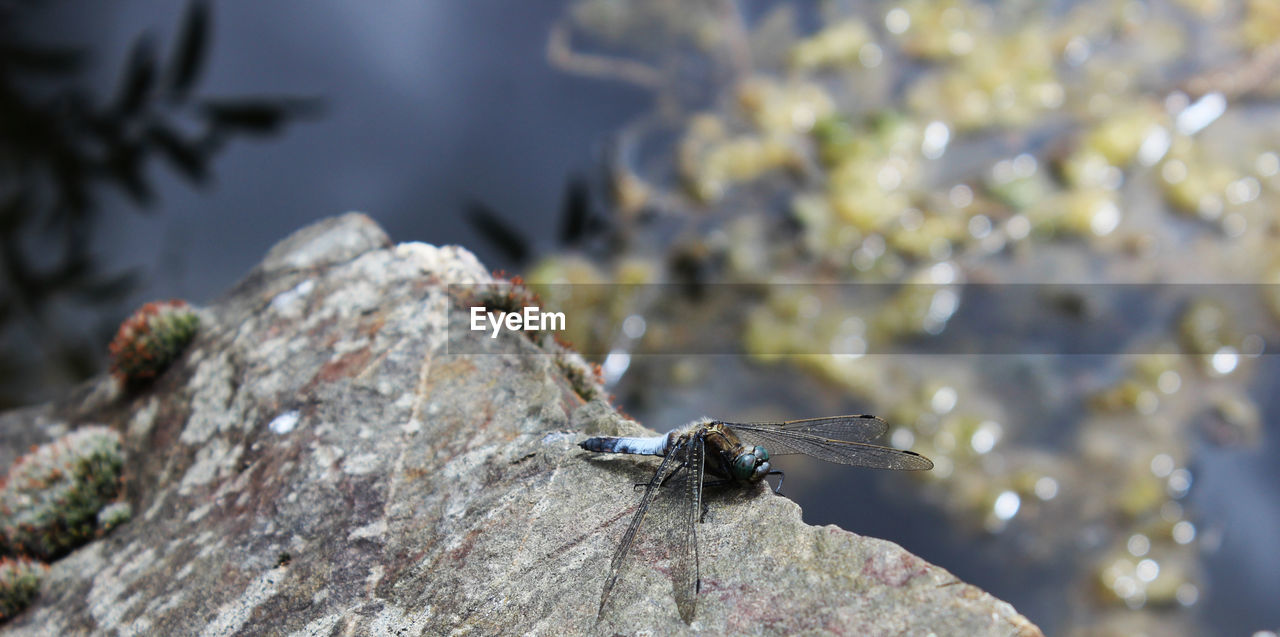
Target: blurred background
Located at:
point(737, 175)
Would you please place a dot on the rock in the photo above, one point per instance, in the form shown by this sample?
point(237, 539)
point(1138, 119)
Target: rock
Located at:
point(317, 464)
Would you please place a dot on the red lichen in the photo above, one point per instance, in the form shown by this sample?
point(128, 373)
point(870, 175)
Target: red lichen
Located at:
point(149, 340)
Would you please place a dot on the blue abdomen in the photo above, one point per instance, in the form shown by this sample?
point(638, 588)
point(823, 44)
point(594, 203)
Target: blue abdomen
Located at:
point(654, 446)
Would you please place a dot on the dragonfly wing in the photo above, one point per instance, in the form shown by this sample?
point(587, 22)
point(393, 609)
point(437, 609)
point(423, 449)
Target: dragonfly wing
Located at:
point(637, 520)
point(847, 428)
point(685, 576)
point(779, 440)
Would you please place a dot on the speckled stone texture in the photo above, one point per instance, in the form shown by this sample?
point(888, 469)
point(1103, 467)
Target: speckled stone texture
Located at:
point(316, 464)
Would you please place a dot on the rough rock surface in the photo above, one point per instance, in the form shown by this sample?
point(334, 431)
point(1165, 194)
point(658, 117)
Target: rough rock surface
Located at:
point(316, 464)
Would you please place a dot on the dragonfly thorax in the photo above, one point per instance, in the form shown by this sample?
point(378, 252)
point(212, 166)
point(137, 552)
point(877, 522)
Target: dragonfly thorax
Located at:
point(727, 455)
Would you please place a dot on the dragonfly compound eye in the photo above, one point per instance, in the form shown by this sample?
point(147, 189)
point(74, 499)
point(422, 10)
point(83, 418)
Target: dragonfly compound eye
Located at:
point(744, 466)
point(761, 453)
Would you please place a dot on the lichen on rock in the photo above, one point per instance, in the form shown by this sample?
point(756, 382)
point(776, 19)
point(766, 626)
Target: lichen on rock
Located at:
point(113, 515)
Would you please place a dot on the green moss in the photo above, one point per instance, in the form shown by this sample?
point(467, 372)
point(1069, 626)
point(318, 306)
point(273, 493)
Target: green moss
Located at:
point(50, 500)
point(586, 380)
point(19, 583)
point(151, 339)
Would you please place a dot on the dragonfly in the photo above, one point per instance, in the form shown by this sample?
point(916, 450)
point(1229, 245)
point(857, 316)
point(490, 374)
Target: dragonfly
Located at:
point(732, 453)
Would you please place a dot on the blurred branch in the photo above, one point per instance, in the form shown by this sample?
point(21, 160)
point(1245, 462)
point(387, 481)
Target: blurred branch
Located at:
point(560, 54)
point(1246, 77)
point(512, 243)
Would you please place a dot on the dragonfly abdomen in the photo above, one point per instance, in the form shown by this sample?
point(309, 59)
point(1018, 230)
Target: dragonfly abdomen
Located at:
point(651, 446)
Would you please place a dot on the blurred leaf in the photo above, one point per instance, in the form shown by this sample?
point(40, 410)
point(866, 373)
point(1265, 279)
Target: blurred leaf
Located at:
point(139, 77)
point(185, 156)
point(690, 268)
point(188, 55)
point(125, 168)
point(107, 127)
point(258, 116)
point(575, 214)
point(509, 241)
point(47, 60)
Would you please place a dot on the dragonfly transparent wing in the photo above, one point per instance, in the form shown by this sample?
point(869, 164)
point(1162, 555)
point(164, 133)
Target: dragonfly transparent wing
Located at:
point(847, 428)
point(840, 439)
point(674, 510)
point(628, 538)
point(684, 571)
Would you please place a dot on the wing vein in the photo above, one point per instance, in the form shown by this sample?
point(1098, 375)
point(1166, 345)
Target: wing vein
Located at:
point(851, 452)
point(628, 538)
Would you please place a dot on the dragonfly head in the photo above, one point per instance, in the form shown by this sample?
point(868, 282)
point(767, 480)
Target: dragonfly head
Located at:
point(752, 465)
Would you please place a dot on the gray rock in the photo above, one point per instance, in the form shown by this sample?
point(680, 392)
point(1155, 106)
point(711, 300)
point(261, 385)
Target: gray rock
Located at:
point(316, 464)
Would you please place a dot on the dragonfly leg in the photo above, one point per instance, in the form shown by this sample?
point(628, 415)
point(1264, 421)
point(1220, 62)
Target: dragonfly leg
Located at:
point(781, 476)
point(662, 484)
point(670, 476)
